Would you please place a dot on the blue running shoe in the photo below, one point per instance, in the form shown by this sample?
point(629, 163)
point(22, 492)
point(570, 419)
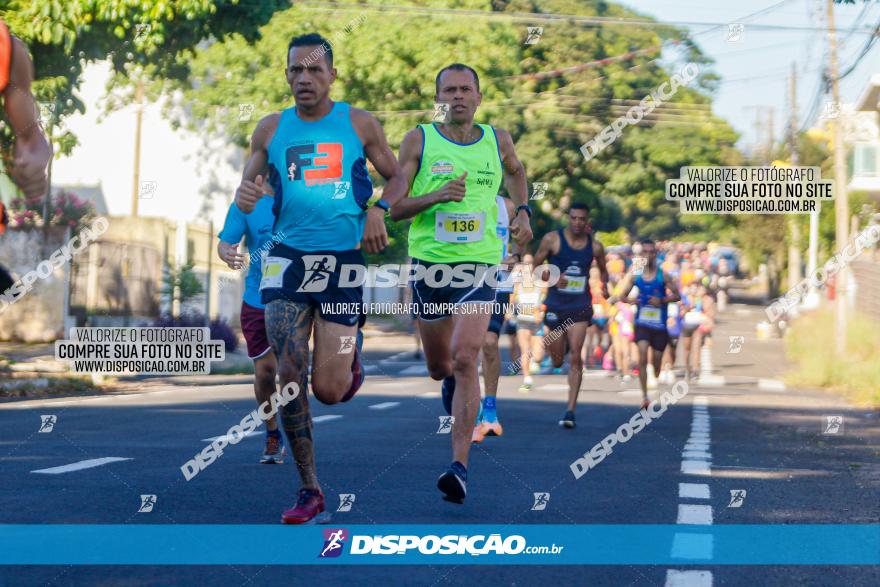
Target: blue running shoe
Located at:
point(567, 420)
point(453, 483)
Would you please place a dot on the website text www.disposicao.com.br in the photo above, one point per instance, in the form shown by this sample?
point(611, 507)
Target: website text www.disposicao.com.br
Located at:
point(452, 544)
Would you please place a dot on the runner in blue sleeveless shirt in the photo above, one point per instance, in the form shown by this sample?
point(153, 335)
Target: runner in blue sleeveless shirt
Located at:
point(314, 156)
point(569, 304)
point(651, 315)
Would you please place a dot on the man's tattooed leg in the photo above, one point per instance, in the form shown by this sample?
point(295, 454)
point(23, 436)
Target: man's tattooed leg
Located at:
point(289, 326)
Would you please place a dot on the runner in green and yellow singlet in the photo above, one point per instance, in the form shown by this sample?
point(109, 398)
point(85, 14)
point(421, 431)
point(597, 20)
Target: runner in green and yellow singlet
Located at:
point(455, 169)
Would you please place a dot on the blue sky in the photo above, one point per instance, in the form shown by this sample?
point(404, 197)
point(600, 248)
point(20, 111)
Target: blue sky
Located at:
point(755, 69)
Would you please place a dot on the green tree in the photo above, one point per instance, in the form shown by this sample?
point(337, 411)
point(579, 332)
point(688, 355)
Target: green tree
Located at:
point(181, 285)
point(154, 36)
point(553, 96)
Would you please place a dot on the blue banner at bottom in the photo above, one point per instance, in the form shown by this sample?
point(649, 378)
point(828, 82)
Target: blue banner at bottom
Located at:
point(485, 544)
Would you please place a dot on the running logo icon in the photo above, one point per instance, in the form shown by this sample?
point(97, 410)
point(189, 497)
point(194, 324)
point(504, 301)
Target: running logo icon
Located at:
point(539, 189)
point(346, 500)
point(736, 344)
point(147, 503)
point(141, 31)
point(737, 497)
point(346, 345)
point(535, 33)
point(334, 540)
point(148, 188)
point(446, 423)
point(735, 32)
point(318, 270)
point(831, 110)
point(639, 265)
point(245, 111)
point(441, 112)
point(342, 189)
point(833, 425)
point(541, 500)
point(47, 423)
point(47, 112)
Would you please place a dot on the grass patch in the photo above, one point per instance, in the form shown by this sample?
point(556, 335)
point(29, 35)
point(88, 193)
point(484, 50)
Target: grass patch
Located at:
point(810, 346)
point(56, 386)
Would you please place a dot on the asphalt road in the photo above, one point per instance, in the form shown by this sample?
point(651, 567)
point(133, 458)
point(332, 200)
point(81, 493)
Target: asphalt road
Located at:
point(383, 447)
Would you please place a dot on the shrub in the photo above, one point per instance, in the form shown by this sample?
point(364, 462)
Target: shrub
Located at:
point(856, 373)
point(66, 209)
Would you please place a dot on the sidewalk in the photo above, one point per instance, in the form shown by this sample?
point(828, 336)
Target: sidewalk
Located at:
point(746, 360)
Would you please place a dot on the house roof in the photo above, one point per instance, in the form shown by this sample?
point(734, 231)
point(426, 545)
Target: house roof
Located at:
point(93, 194)
point(869, 101)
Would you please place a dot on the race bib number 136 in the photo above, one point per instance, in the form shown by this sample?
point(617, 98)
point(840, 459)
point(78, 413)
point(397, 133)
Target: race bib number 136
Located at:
point(460, 227)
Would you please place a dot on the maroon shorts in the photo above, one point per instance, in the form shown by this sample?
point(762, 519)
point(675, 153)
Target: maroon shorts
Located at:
point(253, 326)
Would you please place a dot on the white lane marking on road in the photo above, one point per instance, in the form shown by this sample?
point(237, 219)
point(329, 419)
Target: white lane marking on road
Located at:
point(694, 514)
point(696, 467)
point(326, 418)
point(697, 454)
point(229, 436)
point(692, 546)
point(394, 383)
point(711, 380)
point(771, 385)
point(631, 392)
point(430, 394)
point(596, 373)
point(694, 490)
point(79, 465)
point(688, 578)
point(384, 406)
point(553, 387)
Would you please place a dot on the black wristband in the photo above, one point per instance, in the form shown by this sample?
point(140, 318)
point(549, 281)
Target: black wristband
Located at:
point(523, 207)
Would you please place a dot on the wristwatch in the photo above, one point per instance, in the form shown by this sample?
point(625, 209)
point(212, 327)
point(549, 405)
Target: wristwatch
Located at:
point(382, 203)
point(523, 207)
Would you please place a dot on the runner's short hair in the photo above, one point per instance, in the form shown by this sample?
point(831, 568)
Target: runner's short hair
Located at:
point(456, 67)
point(309, 40)
point(579, 206)
point(647, 241)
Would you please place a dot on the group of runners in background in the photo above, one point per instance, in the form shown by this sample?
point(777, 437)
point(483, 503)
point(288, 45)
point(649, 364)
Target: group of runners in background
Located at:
point(694, 284)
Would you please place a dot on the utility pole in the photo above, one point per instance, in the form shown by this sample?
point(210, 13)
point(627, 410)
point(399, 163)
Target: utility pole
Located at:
point(757, 147)
point(758, 134)
point(794, 247)
point(136, 177)
point(841, 203)
point(208, 286)
point(768, 147)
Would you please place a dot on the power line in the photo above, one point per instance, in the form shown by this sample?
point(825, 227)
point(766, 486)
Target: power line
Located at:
point(534, 17)
point(865, 49)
